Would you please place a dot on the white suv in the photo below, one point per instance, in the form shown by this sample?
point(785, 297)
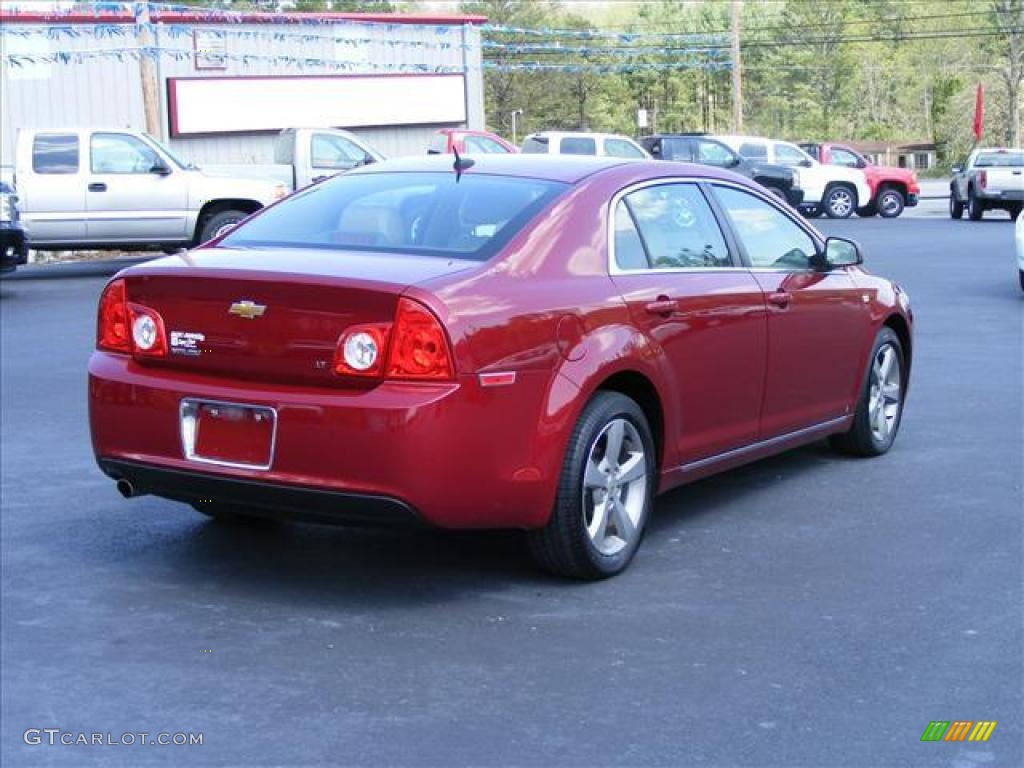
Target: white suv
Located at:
point(831, 189)
point(578, 143)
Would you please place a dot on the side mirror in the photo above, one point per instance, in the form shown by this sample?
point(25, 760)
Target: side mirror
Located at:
point(736, 160)
point(840, 252)
point(958, 169)
point(160, 168)
point(805, 163)
point(656, 149)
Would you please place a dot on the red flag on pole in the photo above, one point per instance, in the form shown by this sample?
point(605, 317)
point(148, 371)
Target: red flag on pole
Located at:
point(979, 112)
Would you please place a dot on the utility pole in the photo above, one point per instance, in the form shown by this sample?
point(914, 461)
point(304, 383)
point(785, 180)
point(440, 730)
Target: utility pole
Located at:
point(737, 72)
point(147, 69)
point(515, 113)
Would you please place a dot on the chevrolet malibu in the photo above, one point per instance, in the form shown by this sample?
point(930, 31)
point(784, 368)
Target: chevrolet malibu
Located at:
point(512, 342)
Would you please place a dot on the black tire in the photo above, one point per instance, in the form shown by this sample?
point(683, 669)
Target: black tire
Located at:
point(777, 192)
point(564, 546)
point(861, 439)
point(975, 208)
point(890, 202)
point(219, 223)
point(1020, 274)
point(840, 201)
point(1015, 210)
point(867, 211)
point(956, 208)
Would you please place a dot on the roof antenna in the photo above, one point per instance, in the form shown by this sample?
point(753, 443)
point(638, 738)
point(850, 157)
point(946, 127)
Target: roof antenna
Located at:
point(461, 164)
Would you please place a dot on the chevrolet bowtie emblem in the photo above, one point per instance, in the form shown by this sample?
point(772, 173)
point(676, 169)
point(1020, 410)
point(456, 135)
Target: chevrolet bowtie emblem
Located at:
point(247, 309)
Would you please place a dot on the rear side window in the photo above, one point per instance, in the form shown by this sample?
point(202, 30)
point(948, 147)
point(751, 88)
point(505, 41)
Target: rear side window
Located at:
point(621, 148)
point(578, 145)
point(677, 227)
point(1000, 160)
point(433, 214)
point(55, 153)
point(536, 145)
point(481, 145)
point(676, 149)
point(754, 150)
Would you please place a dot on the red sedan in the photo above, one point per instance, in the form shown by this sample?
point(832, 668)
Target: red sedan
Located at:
point(530, 342)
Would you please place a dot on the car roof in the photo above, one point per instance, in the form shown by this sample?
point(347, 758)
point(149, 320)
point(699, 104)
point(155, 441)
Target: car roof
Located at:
point(580, 134)
point(567, 169)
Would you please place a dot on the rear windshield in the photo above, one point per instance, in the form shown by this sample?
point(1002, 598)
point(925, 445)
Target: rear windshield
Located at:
point(433, 214)
point(1000, 160)
point(535, 145)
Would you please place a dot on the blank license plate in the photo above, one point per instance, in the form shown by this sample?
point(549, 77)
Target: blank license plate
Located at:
point(228, 433)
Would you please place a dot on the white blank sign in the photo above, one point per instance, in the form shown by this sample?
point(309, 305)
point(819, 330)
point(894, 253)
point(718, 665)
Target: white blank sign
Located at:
point(243, 104)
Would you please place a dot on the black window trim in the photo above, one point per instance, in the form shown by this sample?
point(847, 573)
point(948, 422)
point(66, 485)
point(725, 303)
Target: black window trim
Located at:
point(767, 197)
point(736, 257)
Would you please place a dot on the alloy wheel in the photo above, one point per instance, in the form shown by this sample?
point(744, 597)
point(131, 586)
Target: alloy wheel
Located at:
point(614, 487)
point(885, 397)
point(840, 203)
point(889, 204)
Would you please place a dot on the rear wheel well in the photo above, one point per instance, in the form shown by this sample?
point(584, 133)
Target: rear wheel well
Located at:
point(902, 331)
point(899, 186)
point(640, 390)
point(213, 207)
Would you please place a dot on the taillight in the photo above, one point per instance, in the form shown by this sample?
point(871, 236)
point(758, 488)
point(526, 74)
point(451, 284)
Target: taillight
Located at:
point(128, 328)
point(148, 336)
point(412, 348)
point(419, 346)
point(360, 351)
point(112, 332)
point(982, 179)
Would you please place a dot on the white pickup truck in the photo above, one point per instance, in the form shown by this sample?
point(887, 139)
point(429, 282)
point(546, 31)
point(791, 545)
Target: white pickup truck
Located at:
point(121, 189)
point(990, 178)
point(834, 190)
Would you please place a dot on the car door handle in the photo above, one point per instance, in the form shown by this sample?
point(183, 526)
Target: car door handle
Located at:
point(663, 305)
point(780, 299)
point(97, 186)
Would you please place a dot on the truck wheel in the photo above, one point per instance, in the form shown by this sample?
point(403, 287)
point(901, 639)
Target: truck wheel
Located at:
point(956, 208)
point(975, 208)
point(840, 201)
point(890, 203)
point(219, 224)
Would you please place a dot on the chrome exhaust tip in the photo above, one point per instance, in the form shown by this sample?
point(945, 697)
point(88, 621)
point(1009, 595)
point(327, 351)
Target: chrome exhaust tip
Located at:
point(125, 488)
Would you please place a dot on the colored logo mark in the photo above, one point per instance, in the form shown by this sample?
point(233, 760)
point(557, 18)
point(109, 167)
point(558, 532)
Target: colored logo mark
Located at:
point(958, 730)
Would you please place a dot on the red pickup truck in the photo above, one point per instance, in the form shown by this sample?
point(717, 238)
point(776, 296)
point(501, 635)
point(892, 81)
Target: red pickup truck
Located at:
point(892, 189)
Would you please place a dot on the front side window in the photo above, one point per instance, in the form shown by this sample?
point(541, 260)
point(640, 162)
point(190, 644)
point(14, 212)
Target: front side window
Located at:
point(676, 149)
point(121, 153)
point(786, 154)
point(771, 239)
point(621, 148)
point(676, 226)
point(713, 153)
point(55, 153)
point(430, 214)
point(334, 152)
point(578, 145)
point(845, 158)
point(438, 144)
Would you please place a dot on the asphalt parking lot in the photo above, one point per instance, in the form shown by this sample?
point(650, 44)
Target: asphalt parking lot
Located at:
point(809, 610)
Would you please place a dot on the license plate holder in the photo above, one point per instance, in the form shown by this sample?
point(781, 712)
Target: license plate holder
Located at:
point(228, 434)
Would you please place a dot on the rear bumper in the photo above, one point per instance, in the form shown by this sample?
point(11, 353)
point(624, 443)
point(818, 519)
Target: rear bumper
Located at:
point(265, 499)
point(454, 455)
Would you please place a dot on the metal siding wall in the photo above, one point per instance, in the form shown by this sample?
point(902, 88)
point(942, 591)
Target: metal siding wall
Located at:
point(108, 92)
point(104, 93)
